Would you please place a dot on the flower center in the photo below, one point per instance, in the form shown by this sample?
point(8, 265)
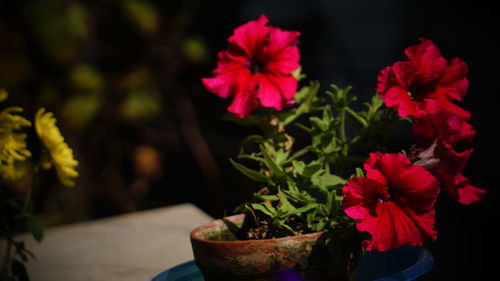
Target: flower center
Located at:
point(421, 89)
point(385, 197)
point(256, 66)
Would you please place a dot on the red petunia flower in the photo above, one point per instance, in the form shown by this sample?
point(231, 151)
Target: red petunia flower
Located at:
point(256, 68)
point(424, 84)
point(394, 202)
point(443, 126)
point(446, 165)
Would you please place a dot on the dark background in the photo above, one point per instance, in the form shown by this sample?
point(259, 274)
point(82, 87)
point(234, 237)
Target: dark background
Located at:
point(123, 79)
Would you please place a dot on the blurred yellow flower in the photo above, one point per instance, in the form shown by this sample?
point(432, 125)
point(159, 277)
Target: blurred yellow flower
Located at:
point(58, 153)
point(12, 143)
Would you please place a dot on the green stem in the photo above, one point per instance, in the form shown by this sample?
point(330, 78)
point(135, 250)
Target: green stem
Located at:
point(27, 200)
point(10, 234)
point(342, 134)
point(6, 261)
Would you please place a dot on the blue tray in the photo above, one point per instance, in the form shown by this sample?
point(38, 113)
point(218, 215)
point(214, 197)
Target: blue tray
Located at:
point(403, 264)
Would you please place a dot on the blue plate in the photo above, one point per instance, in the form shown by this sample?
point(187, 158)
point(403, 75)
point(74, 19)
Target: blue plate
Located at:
point(187, 271)
point(403, 264)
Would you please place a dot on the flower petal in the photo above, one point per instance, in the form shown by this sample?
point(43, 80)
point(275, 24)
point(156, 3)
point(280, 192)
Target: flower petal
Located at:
point(394, 226)
point(244, 100)
point(251, 36)
point(469, 194)
point(281, 53)
point(415, 187)
point(284, 62)
point(399, 99)
point(287, 85)
point(371, 168)
point(384, 81)
point(427, 57)
point(361, 196)
point(227, 74)
point(388, 165)
point(267, 92)
point(453, 82)
point(220, 85)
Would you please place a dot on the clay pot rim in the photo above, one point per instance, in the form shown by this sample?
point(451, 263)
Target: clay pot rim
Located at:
point(236, 217)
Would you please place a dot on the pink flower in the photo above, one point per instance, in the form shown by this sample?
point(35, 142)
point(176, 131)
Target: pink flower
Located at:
point(446, 165)
point(256, 68)
point(424, 84)
point(394, 202)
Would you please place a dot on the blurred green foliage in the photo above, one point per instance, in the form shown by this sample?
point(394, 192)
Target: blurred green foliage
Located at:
point(60, 28)
point(121, 75)
point(143, 14)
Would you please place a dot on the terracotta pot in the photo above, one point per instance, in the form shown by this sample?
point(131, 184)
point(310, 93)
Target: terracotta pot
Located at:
point(254, 260)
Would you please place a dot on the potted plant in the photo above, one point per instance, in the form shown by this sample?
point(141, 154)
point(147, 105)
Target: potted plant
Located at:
point(321, 204)
point(20, 162)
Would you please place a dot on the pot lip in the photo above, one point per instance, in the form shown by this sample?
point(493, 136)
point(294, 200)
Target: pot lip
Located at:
point(198, 229)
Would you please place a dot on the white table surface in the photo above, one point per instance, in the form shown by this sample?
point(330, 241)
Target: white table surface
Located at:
point(133, 247)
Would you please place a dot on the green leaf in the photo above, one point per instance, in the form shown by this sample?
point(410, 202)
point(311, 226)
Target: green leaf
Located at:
point(273, 167)
point(332, 96)
point(373, 107)
point(251, 174)
point(303, 127)
point(357, 117)
point(311, 169)
point(281, 156)
point(266, 197)
point(327, 180)
point(319, 226)
point(297, 196)
point(340, 97)
point(319, 123)
point(299, 153)
point(306, 97)
point(306, 94)
point(359, 172)
point(264, 208)
point(304, 209)
point(254, 158)
point(35, 230)
point(292, 186)
point(330, 143)
point(298, 166)
point(280, 223)
point(327, 115)
point(285, 206)
point(297, 73)
point(330, 198)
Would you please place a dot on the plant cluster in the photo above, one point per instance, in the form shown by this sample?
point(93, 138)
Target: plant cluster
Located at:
point(344, 177)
